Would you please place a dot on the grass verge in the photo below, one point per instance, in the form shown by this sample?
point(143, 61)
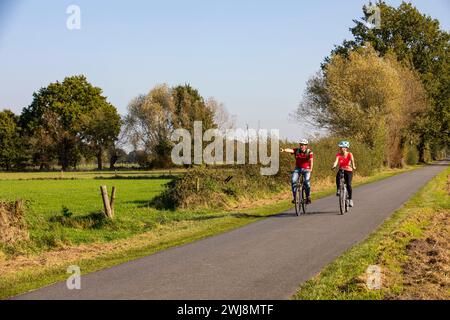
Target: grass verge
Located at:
point(410, 248)
point(30, 272)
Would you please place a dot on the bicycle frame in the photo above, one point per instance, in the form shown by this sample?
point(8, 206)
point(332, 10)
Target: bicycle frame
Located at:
point(300, 196)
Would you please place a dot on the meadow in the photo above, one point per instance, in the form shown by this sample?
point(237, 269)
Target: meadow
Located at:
point(66, 208)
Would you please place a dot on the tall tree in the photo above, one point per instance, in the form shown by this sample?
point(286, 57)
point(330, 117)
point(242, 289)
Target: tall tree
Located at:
point(100, 129)
point(11, 151)
point(152, 118)
point(41, 146)
point(56, 111)
point(189, 107)
point(373, 99)
point(149, 124)
point(116, 151)
point(222, 118)
point(417, 40)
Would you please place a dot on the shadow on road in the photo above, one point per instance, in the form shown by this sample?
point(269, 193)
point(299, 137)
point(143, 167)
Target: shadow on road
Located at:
point(292, 214)
point(323, 212)
point(232, 215)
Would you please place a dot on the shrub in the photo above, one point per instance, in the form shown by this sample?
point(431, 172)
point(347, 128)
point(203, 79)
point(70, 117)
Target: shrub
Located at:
point(222, 186)
point(367, 159)
point(216, 187)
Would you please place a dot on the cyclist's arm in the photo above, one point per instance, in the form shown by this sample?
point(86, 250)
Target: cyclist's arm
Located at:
point(353, 162)
point(311, 164)
point(336, 162)
point(288, 150)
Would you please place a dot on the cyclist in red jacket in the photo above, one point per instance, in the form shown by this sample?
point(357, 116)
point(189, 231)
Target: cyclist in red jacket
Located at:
point(304, 162)
point(346, 162)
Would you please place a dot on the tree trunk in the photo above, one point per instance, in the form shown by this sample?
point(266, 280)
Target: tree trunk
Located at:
point(44, 166)
point(112, 160)
point(99, 160)
point(64, 163)
point(64, 155)
point(421, 147)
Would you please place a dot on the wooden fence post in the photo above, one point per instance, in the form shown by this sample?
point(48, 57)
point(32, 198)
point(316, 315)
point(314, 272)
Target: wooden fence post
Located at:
point(113, 197)
point(106, 203)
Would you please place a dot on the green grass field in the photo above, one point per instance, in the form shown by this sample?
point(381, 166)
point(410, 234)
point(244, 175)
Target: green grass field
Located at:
point(82, 201)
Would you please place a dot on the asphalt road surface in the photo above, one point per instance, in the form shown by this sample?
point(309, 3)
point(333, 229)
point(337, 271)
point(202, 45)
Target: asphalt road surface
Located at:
point(267, 259)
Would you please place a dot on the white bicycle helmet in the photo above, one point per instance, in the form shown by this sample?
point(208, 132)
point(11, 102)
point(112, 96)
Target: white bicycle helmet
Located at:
point(304, 141)
point(344, 144)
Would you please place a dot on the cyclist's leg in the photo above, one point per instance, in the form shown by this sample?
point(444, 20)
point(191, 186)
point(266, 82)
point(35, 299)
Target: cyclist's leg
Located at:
point(294, 182)
point(306, 182)
point(348, 175)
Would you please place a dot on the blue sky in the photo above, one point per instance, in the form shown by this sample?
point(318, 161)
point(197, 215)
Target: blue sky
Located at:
point(254, 56)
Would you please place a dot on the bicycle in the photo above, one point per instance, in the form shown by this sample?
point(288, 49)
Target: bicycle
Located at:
point(343, 198)
point(300, 196)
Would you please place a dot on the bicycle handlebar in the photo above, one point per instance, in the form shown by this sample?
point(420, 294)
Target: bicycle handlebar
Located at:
point(334, 168)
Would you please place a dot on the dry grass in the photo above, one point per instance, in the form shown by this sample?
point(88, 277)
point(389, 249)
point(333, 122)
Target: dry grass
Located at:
point(66, 255)
point(12, 222)
point(426, 273)
point(246, 202)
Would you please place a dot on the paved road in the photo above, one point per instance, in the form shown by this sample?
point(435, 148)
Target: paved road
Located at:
point(267, 259)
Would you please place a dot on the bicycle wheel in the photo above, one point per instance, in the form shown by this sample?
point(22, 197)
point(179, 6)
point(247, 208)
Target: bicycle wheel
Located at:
point(342, 197)
point(297, 201)
point(304, 204)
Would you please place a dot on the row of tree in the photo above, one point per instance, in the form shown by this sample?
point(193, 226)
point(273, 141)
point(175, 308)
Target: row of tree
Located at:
point(70, 121)
point(388, 87)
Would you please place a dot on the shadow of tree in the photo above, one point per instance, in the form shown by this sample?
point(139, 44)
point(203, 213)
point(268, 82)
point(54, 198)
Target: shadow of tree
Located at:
point(93, 220)
point(141, 203)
